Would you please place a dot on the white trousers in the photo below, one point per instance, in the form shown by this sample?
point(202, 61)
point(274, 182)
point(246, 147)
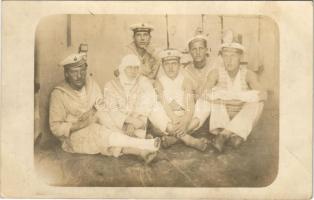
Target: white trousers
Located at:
point(159, 118)
point(242, 123)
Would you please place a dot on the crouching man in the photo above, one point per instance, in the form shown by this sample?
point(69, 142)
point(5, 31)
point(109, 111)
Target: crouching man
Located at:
point(73, 117)
point(233, 98)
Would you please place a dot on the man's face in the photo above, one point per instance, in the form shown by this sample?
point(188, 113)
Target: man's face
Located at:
point(149, 68)
point(231, 58)
point(142, 39)
point(171, 67)
point(198, 50)
point(76, 76)
point(132, 71)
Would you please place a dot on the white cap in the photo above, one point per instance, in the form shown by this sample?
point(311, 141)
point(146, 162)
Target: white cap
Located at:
point(198, 36)
point(170, 54)
point(74, 60)
point(232, 40)
point(141, 27)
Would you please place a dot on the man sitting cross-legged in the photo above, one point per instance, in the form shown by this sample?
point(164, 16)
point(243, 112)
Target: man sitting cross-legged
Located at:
point(233, 98)
point(174, 111)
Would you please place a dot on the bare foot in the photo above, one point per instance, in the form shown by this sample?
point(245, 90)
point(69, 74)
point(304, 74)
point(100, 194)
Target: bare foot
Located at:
point(167, 141)
point(235, 141)
point(199, 144)
point(219, 142)
point(202, 144)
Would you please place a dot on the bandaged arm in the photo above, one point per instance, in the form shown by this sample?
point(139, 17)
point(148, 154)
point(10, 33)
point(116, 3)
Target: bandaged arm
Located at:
point(188, 99)
point(163, 101)
point(249, 96)
point(256, 94)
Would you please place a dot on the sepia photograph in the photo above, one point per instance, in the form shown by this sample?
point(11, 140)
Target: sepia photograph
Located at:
point(156, 100)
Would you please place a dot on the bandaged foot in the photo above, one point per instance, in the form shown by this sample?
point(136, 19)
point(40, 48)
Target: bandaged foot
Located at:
point(199, 144)
point(146, 155)
point(121, 140)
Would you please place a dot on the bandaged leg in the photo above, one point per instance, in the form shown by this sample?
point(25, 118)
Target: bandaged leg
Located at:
point(146, 155)
point(243, 123)
point(121, 140)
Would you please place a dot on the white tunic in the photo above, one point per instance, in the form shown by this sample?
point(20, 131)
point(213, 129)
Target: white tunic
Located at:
point(226, 83)
point(66, 106)
point(173, 89)
point(174, 95)
point(119, 105)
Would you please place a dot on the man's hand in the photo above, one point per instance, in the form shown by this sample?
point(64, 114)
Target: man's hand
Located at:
point(129, 130)
point(175, 119)
point(82, 123)
point(88, 114)
point(217, 101)
point(170, 129)
point(173, 129)
point(180, 126)
point(233, 102)
point(137, 123)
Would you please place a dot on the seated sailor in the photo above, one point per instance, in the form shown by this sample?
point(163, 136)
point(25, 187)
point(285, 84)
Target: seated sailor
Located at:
point(74, 117)
point(202, 62)
point(174, 111)
point(130, 98)
point(233, 97)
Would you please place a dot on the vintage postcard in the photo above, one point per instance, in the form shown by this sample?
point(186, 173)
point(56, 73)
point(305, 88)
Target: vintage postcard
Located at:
point(157, 100)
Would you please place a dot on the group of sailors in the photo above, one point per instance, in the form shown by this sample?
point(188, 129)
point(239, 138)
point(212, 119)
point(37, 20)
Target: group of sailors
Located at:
point(156, 100)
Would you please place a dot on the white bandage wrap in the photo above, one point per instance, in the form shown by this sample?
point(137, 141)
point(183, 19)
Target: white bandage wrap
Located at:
point(249, 96)
point(121, 140)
